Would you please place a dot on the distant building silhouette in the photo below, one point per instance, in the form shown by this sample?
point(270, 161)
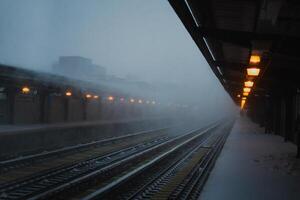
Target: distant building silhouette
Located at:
point(80, 68)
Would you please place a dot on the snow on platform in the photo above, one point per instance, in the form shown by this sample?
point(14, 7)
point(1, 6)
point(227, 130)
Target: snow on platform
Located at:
point(254, 166)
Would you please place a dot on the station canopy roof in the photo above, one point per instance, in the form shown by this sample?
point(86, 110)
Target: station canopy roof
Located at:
point(228, 32)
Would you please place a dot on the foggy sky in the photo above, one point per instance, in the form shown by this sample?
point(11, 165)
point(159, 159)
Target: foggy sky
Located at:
point(143, 38)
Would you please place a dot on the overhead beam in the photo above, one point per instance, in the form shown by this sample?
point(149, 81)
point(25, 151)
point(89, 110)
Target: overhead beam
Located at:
point(244, 38)
point(232, 65)
point(183, 12)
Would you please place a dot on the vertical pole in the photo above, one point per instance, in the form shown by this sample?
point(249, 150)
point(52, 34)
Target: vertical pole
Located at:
point(100, 108)
point(297, 122)
point(11, 101)
point(66, 109)
point(278, 115)
point(283, 117)
point(289, 115)
point(298, 145)
point(84, 105)
point(42, 106)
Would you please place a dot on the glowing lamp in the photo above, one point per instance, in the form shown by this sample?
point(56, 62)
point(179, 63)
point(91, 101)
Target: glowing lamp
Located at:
point(254, 59)
point(238, 95)
point(110, 98)
point(253, 71)
point(153, 102)
point(88, 96)
point(132, 100)
point(96, 97)
point(243, 103)
point(140, 101)
point(246, 89)
point(249, 83)
point(245, 93)
point(68, 93)
point(244, 98)
point(25, 90)
point(122, 99)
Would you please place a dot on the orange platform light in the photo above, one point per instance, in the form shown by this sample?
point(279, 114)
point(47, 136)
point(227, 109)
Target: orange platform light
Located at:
point(25, 90)
point(110, 98)
point(68, 93)
point(246, 89)
point(245, 94)
point(244, 98)
point(243, 103)
point(253, 71)
point(249, 83)
point(254, 59)
point(88, 96)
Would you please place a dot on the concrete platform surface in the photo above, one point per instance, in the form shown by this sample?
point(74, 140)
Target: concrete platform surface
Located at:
point(254, 166)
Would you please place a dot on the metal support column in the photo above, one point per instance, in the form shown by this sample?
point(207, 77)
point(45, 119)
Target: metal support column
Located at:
point(11, 94)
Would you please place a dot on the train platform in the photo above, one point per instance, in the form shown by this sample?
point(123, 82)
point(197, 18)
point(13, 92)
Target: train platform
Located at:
point(254, 166)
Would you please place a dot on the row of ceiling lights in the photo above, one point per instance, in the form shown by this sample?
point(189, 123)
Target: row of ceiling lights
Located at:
point(252, 72)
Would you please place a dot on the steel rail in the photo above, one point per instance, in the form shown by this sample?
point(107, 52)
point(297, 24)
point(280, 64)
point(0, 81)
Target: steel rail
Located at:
point(127, 159)
point(102, 191)
point(31, 158)
point(26, 185)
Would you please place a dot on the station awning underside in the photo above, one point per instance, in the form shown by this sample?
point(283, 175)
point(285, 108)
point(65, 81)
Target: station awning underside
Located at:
point(228, 32)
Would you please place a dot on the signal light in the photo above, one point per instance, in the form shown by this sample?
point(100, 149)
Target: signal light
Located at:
point(253, 71)
point(249, 83)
